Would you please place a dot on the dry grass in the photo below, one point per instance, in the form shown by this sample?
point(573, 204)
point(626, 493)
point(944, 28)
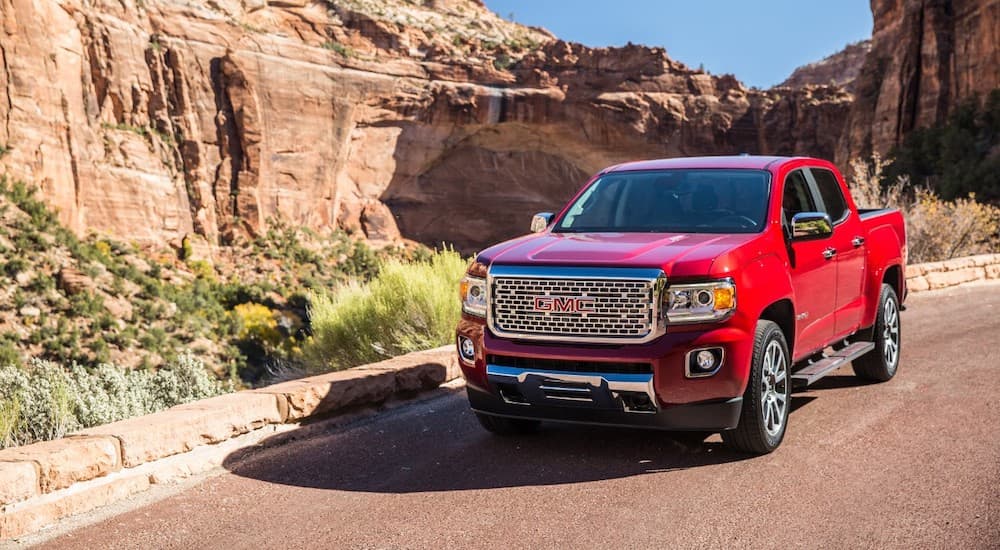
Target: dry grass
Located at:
point(936, 229)
point(409, 306)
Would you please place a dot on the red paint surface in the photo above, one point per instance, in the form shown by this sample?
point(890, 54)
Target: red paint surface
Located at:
point(838, 296)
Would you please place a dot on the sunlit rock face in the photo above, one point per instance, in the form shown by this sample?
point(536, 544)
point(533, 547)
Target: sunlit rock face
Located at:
point(437, 121)
point(926, 57)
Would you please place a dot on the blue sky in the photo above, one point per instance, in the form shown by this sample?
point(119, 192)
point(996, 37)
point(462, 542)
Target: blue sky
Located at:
point(760, 42)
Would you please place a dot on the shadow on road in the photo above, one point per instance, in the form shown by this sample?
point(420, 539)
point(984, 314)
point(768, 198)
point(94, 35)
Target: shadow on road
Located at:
point(837, 381)
point(439, 446)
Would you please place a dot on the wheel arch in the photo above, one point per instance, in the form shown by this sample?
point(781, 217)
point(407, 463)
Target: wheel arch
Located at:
point(782, 313)
point(893, 277)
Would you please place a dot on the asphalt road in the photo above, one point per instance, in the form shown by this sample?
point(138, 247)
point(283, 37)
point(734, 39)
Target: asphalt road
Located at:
point(912, 463)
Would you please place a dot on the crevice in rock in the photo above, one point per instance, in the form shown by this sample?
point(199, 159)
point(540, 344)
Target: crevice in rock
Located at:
point(230, 148)
point(7, 87)
point(71, 150)
point(909, 104)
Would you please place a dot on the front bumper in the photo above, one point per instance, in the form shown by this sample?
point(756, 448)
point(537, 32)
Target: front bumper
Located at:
point(660, 397)
point(709, 416)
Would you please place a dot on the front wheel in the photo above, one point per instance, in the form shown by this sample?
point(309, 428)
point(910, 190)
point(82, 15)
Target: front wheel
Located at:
point(768, 395)
point(880, 364)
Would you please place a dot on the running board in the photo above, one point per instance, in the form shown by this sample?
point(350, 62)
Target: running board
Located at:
point(829, 363)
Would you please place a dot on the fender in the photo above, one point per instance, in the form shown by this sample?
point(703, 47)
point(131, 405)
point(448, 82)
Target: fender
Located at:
point(884, 252)
point(761, 283)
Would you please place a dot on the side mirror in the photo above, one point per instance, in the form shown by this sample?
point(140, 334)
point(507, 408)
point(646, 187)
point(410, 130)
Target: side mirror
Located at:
point(811, 225)
point(540, 221)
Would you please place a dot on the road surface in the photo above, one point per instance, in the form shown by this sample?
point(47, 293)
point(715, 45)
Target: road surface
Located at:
point(913, 463)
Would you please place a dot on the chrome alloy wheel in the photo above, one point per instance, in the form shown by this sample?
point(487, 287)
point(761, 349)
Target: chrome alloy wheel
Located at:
point(890, 334)
point(774, 388)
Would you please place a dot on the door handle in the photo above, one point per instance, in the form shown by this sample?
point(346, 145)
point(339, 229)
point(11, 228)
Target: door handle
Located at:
point(857, 241)
point(829, 253)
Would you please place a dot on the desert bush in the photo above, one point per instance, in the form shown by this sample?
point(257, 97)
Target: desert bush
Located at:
point(45, 400)
point(408, 306)
point(936, 229)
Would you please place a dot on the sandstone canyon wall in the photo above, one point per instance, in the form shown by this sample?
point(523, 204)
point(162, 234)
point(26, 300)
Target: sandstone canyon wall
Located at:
point(839, 69)
point(154, 119)
point(926, 57)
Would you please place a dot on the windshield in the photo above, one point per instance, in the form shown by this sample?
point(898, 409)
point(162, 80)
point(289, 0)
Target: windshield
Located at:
point(671, 201)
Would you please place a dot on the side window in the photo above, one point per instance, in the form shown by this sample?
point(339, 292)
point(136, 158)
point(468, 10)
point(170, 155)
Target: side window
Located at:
point(796, 196)
point(830, 193)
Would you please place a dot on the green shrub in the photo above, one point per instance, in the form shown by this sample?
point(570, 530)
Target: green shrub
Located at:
point(406, 307)
point(45, 401)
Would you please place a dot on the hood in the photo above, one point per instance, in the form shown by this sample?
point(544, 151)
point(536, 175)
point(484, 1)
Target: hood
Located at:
point(679, 254)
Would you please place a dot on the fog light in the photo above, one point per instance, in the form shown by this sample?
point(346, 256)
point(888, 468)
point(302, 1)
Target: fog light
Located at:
point(703, 362)
point(466, 349)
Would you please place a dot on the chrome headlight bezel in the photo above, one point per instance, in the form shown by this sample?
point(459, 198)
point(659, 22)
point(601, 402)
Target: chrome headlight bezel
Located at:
point(473, 294)
point(689, 303)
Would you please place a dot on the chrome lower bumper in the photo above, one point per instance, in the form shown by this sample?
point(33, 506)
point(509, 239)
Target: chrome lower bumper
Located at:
point(632, 393)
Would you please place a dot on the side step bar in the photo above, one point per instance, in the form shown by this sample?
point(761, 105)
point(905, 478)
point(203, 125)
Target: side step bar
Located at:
point(828, 364)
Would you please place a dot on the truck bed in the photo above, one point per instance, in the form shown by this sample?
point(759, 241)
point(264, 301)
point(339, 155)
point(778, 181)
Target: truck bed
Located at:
point(866, 213)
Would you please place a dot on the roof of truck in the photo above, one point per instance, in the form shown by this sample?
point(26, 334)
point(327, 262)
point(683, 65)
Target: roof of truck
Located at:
point(747, 162)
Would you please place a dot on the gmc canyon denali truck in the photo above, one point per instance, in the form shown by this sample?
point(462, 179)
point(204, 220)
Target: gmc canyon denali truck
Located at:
point(684, 294)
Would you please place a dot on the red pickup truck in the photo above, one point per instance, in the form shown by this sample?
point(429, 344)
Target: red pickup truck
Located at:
point(686, 294)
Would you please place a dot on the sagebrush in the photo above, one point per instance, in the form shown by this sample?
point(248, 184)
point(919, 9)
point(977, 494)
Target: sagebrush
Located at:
point(44, 400)
point(936, 229)
point(408, 306)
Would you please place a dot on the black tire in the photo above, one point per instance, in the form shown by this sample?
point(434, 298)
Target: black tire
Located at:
point(507, 426)
point(757, 431)
point(881, 364)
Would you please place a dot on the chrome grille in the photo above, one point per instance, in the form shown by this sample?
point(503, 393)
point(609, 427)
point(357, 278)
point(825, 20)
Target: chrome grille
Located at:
point(617, 309)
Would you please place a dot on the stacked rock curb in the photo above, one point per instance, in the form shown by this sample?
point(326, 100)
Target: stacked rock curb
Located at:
point(43, 482)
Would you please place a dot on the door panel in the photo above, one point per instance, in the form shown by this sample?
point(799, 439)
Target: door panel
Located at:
point(813, 275)
point(848, 240)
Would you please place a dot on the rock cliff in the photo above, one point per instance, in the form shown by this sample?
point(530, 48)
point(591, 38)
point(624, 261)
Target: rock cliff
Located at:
point(155, 119)
point(839, 69)
point(434, 120)
point(926, 57)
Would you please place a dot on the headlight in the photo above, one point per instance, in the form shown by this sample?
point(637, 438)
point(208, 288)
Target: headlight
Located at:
point(700, 302)
point(473, 293)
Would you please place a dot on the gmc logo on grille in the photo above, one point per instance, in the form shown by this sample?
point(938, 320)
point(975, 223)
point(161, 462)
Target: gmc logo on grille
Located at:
point(564, 304)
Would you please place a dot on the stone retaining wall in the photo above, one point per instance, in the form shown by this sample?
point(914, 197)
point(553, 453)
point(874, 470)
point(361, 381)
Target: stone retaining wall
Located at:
point(935, 275)
point(43, 482)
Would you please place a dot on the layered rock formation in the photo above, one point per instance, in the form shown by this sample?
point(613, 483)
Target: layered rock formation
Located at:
point(438, 120)
point(839, 69)
point(152, 120)
point(926, 57)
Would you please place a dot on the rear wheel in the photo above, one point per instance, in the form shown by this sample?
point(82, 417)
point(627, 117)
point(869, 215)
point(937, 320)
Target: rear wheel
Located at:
point(881, 363)
point(507, 426)
point(767, 397)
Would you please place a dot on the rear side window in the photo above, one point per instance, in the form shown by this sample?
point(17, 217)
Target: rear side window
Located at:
point(796, 196)
point(829, 191)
